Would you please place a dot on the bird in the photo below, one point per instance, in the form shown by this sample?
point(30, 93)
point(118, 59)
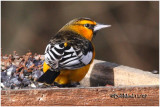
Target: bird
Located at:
point(70, 52)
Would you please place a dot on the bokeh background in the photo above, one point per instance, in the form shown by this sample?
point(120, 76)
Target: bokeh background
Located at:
point(133, 39)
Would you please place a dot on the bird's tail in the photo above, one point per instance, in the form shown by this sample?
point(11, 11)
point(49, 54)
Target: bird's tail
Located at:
point(48, 77)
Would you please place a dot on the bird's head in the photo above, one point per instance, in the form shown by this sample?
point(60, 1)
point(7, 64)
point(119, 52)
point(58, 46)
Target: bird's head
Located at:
point(86, 27)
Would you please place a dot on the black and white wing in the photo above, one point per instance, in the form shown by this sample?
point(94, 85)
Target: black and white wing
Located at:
point(60, 57)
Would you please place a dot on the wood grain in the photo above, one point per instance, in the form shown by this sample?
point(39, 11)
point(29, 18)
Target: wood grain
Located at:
point(95, 96)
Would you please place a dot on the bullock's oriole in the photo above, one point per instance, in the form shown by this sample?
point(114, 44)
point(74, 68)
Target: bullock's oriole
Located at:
point(70, 52)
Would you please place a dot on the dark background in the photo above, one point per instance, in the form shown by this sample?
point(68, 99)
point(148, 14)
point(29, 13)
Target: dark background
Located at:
point(133, 39)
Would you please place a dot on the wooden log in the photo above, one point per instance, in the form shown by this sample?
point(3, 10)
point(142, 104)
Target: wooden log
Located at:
point(95, 96)
point(103, 72)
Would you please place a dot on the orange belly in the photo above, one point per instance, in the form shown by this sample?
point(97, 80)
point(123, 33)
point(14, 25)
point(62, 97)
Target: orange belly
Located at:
point(68, 76)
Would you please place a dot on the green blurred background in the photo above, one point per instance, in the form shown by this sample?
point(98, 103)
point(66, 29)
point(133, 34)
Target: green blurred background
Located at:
point(133, 39)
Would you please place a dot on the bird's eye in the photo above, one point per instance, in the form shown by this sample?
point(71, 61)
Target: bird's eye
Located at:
point(87, 25)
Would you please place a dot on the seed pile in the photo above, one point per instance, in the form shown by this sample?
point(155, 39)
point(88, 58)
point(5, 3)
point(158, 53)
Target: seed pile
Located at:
point(20, 72)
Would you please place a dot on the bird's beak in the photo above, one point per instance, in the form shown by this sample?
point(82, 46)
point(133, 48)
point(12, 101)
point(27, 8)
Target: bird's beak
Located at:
point(99, 26)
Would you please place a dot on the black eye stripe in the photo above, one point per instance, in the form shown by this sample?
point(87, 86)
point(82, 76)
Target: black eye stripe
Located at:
point(89, 26)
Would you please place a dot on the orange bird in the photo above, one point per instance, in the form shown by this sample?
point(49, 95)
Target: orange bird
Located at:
point(70, 52)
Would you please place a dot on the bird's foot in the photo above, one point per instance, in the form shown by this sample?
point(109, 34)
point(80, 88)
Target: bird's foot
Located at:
point(74, 84)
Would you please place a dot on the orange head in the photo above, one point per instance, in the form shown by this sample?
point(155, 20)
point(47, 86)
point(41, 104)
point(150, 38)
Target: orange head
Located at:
point(86, 27)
